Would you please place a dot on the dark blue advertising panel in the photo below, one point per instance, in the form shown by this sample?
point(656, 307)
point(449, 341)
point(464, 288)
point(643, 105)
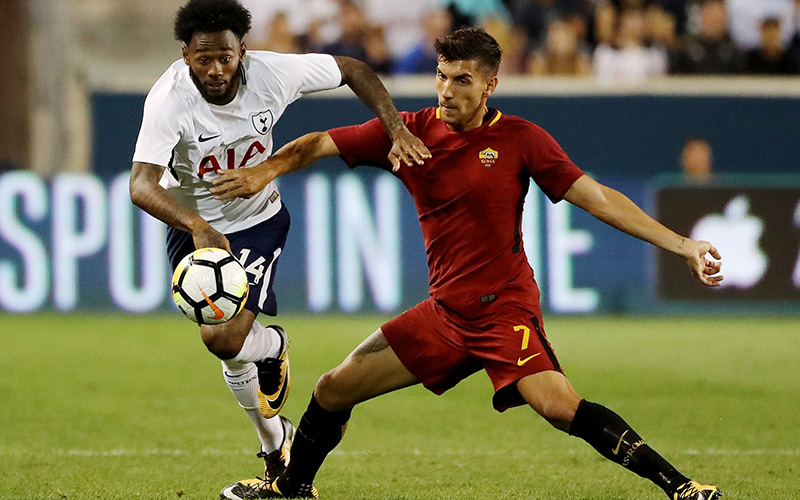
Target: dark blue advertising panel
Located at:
point(77, 242)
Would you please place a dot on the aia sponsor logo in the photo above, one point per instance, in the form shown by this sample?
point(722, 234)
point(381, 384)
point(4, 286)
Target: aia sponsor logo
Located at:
point(211, 163)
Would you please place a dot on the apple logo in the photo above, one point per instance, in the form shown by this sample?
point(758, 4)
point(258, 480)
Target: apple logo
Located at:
point(736, 234)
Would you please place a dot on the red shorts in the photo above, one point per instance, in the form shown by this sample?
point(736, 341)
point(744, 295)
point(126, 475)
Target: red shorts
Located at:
point(441, 348)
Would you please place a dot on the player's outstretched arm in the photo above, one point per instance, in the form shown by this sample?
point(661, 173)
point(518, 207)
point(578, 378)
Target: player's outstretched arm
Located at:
point(296, 155)
point(156, 201)
point(617, 210)
point(406, 148)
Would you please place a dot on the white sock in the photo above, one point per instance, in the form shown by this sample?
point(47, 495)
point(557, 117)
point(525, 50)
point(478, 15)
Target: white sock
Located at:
point(243, 382)
point(261, 342)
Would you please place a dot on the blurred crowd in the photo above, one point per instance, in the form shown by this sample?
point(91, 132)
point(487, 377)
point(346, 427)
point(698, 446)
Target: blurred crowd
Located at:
point(612, 40)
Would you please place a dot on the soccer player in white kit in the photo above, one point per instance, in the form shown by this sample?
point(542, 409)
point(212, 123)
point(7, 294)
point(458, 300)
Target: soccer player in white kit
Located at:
point(214, 110)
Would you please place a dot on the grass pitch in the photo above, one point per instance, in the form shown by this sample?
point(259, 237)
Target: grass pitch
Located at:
point(129, 407)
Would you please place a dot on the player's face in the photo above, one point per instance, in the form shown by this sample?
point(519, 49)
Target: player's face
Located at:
point(213, 59)
point(463, 88)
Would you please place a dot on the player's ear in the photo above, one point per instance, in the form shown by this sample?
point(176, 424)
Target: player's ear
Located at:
point(242, 49)
point(185, 54)
point(491, 85)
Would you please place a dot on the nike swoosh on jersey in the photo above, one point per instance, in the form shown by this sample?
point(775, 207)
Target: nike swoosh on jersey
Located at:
point(204, 139)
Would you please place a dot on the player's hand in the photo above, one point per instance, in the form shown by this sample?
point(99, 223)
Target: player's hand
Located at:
point(408, 149)
point(205, 236)
point(241, 182)
point(704, 269)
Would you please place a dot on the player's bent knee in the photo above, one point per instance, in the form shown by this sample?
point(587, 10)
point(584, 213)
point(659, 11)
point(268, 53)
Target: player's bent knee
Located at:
point(559, 410)
point(220, 342)
point(551, 395)
point(225, 340)
point(332, 393)
point(560, 418)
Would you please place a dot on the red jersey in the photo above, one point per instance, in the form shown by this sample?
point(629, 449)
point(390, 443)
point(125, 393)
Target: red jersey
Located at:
point(469, 197)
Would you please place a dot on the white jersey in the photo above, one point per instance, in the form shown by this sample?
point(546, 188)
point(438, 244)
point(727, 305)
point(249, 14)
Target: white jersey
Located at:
point(193, 138)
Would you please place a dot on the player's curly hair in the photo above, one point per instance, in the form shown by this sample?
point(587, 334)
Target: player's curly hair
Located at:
point(208, 16)
point(470, 44)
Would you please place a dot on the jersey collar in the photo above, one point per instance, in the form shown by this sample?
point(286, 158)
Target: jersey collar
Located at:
point(492, 116)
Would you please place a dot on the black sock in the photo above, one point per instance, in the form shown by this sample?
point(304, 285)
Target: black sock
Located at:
point(317, 435)
point(613, 438)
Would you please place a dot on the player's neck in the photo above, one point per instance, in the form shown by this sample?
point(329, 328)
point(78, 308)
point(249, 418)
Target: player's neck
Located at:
point(473, 122)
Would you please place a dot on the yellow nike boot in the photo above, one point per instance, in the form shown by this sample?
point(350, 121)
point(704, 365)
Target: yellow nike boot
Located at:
point(274, 464)
point(273, 378)
point(693, 490)
point(259, 488)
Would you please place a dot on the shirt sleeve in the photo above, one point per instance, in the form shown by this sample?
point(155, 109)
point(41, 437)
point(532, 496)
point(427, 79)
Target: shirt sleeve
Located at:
point(160, 130)
point(321, 73)
point(365, 144)
point(549, 165)
point(300, 74)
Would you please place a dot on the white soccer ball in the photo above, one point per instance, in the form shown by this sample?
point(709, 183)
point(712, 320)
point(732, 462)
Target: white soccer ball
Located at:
point(209, 286)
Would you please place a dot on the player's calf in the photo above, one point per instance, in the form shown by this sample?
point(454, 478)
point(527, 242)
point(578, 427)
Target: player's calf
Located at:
point(613, 438)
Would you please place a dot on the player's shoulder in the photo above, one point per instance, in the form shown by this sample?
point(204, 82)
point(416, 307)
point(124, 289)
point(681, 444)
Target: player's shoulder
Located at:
point(262, 63)
point(506, 120)
point(419, 122)
point(517, 125)
point(422, 116)
point(262, 59)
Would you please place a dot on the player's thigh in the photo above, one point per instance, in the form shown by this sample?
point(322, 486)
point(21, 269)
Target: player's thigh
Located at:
point(258, 249)
point(431, 346)
point(370, 370)
point(224, 340)
point(511, 347)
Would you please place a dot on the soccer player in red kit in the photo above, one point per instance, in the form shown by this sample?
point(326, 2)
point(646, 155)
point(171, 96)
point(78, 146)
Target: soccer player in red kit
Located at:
point(483, 312)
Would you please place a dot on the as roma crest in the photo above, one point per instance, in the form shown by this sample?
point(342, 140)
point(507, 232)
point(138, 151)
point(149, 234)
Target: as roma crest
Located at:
point(487, 157)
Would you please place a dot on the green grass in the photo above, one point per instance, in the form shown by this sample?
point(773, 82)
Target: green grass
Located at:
point(128, 407)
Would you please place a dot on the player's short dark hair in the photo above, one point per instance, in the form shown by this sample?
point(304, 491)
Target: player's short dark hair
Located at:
point(209, 16)
point(470, 44)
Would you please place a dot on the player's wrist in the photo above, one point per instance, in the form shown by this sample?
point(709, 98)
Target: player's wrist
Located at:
point(394, 125)
point(197, 225)
point(683, 247)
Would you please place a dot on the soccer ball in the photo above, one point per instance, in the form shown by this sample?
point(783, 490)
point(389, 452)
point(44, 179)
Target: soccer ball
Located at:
point(209, 286)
